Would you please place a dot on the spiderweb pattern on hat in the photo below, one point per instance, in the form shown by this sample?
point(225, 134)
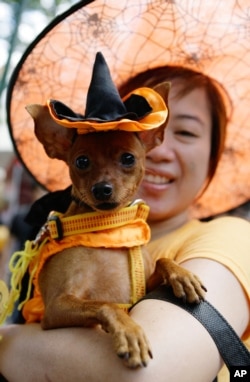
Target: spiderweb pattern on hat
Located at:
point(212, 37)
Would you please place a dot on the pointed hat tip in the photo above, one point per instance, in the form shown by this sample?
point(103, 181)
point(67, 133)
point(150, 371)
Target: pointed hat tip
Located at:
point(103, 99)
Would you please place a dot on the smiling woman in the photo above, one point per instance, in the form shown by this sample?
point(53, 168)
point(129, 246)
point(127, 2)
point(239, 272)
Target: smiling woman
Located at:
point(187, 138)
point(197, 112)
point(186, 80)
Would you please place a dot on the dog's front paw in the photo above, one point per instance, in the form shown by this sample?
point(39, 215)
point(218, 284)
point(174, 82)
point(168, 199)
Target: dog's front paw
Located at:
point(185, 284)
point(132, 346)
point(130, 342)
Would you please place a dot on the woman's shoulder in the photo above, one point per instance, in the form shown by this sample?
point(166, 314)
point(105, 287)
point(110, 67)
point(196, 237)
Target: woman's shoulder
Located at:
point(227, 232)
point(220, 226)
point(227, 224)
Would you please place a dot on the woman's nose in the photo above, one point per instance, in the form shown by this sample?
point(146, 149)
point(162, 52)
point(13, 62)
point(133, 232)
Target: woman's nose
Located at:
point(164, 152)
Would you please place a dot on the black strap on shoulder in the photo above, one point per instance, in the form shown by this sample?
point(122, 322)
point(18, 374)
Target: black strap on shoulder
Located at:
point(230, 346)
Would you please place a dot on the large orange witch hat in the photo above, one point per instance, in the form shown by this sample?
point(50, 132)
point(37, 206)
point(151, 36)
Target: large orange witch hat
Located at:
point(211, 37)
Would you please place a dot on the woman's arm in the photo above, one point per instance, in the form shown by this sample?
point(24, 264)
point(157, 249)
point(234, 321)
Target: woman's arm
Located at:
point(182, 348)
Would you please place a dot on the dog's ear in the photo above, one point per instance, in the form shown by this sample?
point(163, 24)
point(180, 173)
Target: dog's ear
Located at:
point(55, 138)
point(154, 137)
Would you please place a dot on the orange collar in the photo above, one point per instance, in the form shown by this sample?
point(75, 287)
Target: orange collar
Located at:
point(60, 227)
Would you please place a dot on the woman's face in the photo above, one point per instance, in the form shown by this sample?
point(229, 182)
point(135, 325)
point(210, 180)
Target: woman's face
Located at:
point(177, 169)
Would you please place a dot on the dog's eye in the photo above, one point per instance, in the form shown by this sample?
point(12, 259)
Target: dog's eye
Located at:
point(127, 160)
point(82, 162)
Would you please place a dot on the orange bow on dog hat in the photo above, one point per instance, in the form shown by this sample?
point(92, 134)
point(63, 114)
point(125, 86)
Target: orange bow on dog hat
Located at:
point(211, 37)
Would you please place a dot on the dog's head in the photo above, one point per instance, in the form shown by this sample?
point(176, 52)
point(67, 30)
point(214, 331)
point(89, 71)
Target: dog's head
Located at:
point(106, 168)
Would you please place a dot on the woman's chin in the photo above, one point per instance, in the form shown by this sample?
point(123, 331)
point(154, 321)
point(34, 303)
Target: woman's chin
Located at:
point(158, 211)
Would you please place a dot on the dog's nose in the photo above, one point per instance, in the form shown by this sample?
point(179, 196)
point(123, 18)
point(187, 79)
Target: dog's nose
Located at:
point(102, 191)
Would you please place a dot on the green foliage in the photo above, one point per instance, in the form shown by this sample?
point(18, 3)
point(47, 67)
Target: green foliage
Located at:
point(20, 14)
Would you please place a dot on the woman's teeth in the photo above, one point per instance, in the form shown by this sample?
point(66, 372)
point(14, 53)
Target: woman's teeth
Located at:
point(156, 179)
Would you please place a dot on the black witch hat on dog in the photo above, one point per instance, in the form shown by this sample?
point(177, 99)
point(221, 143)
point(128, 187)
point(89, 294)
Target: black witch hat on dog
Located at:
point(142, 109)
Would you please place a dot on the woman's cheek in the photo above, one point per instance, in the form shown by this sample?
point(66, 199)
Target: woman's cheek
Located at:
point(198, 171)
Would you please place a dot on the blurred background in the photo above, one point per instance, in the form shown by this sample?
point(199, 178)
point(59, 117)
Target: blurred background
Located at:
point(20, 23)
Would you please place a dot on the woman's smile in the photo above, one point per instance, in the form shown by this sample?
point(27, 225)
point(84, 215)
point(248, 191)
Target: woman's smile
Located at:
point(156, 179)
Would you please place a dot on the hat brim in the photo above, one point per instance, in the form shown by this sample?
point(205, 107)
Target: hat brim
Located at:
point(211, 37)
point(153, 119)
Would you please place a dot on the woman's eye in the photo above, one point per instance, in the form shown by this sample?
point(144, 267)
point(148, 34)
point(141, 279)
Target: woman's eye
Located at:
point(186, 133)
point(127, 160)
point(82, 162)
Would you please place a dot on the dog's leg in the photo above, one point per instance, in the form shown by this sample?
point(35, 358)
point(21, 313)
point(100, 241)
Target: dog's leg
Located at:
point(129, 340)
point(185, 284)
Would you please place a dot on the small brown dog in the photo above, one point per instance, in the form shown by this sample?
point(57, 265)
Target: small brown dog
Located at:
point(81, 285)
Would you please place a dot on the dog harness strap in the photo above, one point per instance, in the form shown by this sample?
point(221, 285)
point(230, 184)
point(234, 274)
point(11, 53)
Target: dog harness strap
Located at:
point(137, 275)
point(94, 221)
point(125, 307)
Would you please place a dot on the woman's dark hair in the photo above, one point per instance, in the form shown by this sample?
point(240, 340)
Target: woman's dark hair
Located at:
point(216, 95)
